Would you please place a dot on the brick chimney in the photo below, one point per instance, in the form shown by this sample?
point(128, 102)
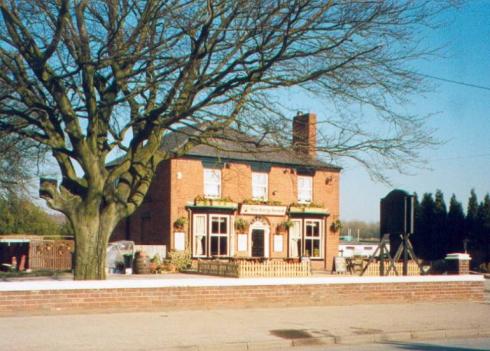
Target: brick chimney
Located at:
point(304, 134)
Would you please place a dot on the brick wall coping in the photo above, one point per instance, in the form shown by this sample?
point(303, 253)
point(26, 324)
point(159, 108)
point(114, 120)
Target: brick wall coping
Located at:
point(214, 282)
point(458, 256)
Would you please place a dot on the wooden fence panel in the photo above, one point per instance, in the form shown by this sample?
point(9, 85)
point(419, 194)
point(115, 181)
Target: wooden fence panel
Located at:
point(51, 254)
point(373, 269)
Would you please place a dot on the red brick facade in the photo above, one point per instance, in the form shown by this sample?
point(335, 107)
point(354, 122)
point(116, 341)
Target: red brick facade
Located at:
point(179, 182)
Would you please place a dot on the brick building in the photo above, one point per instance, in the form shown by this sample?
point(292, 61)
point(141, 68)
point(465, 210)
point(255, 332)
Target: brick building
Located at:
point(242, 200)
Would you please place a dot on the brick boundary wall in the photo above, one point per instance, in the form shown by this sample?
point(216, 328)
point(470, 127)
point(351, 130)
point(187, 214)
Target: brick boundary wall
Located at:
point(138, 299)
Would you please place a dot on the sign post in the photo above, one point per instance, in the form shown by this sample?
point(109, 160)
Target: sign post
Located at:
point(398, 221)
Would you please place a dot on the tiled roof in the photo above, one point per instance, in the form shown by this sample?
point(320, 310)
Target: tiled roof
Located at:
point(236, 145)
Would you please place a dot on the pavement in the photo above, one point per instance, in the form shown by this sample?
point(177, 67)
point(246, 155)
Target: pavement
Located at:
point(250, 329)
point(247, 329)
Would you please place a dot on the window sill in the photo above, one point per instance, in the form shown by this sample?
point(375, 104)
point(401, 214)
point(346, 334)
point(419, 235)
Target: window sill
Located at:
point(314, 258)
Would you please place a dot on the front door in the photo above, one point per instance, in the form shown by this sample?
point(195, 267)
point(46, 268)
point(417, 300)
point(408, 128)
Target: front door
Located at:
point(258, 243)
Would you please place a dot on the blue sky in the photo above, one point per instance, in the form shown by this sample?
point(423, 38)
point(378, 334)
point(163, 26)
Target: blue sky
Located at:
point(462, 120)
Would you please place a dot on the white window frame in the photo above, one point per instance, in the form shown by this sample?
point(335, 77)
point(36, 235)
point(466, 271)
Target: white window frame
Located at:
point(264, 188)
point(196, 233)
point(319, 238)
point(227, 234)
point(292, 236)
point(209, 181)
point(305, 190)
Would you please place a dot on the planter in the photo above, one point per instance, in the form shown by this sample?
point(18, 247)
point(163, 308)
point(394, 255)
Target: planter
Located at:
point(306, 209)
point(215, 203)
point(281, 230)
point(336, 226)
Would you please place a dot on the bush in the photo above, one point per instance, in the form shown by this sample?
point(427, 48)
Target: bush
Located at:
point(484, 267)
point(439, 267)
point(181, 260)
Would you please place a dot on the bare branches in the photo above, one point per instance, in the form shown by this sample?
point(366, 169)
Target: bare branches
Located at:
point(19, 160)
point(94, 78)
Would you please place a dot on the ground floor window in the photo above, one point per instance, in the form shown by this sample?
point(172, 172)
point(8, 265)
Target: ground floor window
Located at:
point(211, 235)
point(218, 235)
point(199, 235)
point(312, 238)
point(295, 239)
point(306, 238)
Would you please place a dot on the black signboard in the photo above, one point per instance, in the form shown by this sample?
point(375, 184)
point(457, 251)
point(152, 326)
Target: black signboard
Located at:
point(397, 213)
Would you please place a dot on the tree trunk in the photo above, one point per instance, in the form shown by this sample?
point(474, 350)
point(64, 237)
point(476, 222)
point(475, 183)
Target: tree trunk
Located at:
point(92, 232)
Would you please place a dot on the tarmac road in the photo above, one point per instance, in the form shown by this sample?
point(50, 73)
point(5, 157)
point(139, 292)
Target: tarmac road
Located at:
point(247, 329)
point(472, 344)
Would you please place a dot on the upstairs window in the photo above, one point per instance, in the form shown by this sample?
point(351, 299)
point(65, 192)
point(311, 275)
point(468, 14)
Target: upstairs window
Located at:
point(212, 183)
point(305, 189)
point(259, 186)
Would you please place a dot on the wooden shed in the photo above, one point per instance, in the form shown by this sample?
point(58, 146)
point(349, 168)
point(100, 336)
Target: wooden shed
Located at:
point(36, 252)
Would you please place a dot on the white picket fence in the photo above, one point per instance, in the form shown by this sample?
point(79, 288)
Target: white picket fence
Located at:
point(373, 269)
point(251, 269)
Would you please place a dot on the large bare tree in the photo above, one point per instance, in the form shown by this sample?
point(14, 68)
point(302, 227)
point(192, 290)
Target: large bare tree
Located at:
point(93, 80)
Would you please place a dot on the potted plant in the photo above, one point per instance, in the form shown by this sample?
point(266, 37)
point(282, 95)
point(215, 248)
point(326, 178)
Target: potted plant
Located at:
point(202, 201)
point(155, 264)
point(284, 226)
point(180, 223)
point(241, 225)
point(336, 226)
point(223, 201)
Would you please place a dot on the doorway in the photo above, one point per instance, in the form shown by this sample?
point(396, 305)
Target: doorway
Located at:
point(258, 247)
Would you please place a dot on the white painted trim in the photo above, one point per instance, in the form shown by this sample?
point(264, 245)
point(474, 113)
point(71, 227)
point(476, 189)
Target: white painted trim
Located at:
point(260, 225)
point(227, 235)
point(207, 172)
point(321, 239)
point(458, 256)
point(195, 234)
point(299, 237)
point(216, 282)
point(303, 179)
point(254, 184)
